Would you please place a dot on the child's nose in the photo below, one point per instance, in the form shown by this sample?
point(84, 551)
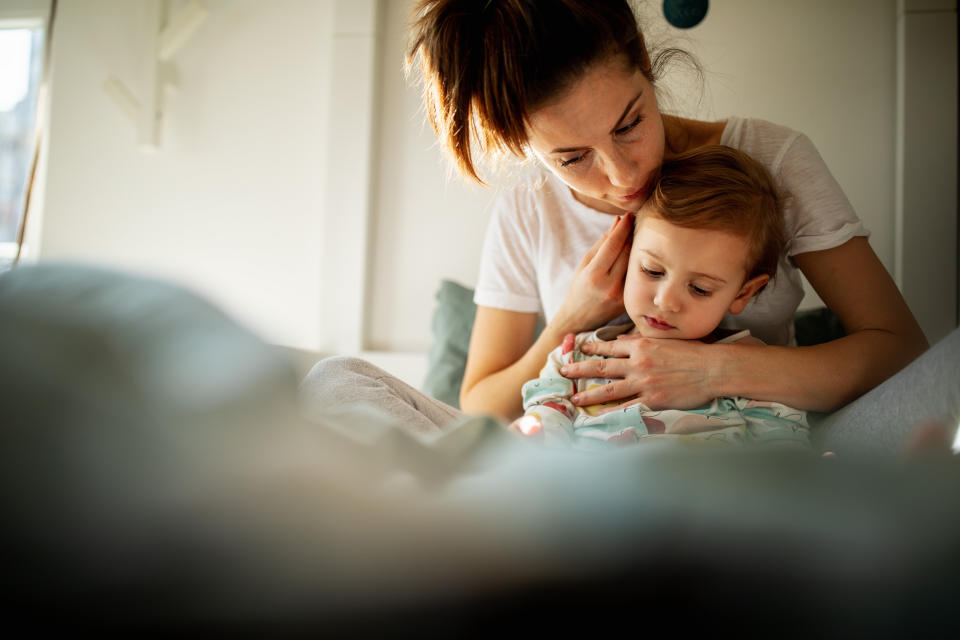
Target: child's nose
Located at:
point(667, 299)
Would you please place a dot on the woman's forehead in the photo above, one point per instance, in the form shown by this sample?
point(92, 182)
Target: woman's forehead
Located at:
point(591, 108)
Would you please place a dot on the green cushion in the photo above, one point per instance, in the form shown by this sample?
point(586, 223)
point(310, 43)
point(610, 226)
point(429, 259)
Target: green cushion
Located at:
point(452, 325)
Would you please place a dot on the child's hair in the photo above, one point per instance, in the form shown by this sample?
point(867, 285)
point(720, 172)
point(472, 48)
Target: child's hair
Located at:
point(488, 64)
point(718, 187)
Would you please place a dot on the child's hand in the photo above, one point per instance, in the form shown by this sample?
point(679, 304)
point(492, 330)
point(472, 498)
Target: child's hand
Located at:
point(529, 425)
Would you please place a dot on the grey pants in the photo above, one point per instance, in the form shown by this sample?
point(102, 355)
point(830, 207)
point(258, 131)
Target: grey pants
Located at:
point(341, 383)
point(928, 389)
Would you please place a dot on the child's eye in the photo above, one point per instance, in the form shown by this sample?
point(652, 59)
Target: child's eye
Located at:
point(627, 127)
point(697, 291)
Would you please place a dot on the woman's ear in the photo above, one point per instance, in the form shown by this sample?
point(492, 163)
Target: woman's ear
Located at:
point(747, 291)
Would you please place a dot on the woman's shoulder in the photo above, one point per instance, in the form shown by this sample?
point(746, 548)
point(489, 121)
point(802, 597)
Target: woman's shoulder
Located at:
point(539, 195)
point(766, 141)
point(524, 191)
point(788, 154)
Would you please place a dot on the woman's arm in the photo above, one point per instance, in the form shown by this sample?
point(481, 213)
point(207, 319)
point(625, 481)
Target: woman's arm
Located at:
point(503, 354)
point(882, 337)
point(882, 334)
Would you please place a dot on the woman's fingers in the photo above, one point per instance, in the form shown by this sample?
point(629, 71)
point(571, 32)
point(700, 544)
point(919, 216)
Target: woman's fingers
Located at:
point(662, 373)
point(589, 255)
point(614, 243)
point(595, 295)
point(619, 268)
point(615, 367)
point(612, 348)
point(616, 390)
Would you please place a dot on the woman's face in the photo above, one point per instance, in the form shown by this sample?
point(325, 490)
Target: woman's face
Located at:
point(604, 138)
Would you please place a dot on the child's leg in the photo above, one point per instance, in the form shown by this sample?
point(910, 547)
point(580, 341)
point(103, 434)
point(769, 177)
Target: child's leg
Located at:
point(927, 390)
point(340, 382)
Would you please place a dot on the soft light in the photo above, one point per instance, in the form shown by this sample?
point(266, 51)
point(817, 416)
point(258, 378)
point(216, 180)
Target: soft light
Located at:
point(14, 66)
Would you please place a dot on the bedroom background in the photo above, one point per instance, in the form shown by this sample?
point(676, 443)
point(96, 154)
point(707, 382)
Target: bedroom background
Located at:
point(291, 178)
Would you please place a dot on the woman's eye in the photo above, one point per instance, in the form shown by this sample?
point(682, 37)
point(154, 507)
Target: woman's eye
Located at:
point(624, 129)
point(572, 161)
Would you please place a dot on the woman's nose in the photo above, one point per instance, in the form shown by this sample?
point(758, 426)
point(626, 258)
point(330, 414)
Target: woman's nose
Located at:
point(623, 171)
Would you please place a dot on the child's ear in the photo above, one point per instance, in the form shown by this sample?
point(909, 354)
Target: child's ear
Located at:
point(747, 291)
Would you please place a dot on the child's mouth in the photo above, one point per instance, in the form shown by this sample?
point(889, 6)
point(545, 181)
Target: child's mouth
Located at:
point(658, 324)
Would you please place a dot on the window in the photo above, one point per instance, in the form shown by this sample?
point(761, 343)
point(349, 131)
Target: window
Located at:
point(21, 70)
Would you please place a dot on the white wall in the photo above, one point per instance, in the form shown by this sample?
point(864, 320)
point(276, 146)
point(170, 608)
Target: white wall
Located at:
point(428, 226)
point(231, 203)
point(826, 68)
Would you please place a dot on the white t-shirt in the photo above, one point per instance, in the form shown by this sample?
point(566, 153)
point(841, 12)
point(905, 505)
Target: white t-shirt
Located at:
point(539, 232)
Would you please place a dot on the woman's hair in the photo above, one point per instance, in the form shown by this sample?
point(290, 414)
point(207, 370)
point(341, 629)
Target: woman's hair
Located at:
point(721, 188)
point(488, 64)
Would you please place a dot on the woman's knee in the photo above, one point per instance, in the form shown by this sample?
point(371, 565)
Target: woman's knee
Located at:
point(336, 381)
point(339, 372)
point(336, 367)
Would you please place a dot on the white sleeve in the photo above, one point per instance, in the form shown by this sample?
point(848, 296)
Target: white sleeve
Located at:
point(508, 275)
point(817, 213)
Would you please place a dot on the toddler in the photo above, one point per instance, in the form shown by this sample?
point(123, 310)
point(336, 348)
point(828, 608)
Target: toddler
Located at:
point(705, 243)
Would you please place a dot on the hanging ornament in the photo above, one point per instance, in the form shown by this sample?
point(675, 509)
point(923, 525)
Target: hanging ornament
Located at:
point(684, 14)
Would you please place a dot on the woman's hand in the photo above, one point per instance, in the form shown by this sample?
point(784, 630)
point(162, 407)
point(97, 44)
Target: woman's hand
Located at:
point(660, 373)
point(596, 292)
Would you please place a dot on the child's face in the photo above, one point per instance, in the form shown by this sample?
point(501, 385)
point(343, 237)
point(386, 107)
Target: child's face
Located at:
point(680, 282)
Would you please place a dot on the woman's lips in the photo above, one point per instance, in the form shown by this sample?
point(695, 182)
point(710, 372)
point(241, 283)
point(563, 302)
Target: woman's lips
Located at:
point(658, 324)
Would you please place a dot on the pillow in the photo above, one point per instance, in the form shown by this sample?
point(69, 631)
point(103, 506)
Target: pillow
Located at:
point(815, 326)
point(452, 324)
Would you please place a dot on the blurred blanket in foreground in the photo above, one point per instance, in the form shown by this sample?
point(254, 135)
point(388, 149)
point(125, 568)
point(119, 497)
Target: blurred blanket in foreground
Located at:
point(157, 474)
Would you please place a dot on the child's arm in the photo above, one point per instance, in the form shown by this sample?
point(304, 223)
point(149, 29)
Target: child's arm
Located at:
point(546, 400)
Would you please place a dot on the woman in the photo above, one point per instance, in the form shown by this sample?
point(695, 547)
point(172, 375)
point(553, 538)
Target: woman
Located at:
point(571, 83)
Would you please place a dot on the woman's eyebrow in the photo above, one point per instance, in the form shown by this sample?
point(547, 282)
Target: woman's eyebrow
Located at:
point(626, 111)
point(615, 127)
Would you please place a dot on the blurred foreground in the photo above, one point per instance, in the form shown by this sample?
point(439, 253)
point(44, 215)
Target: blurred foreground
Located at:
point(157, 475)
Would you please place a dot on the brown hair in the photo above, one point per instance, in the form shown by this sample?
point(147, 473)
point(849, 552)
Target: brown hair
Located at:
point(488, 64)
point(718, 187)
